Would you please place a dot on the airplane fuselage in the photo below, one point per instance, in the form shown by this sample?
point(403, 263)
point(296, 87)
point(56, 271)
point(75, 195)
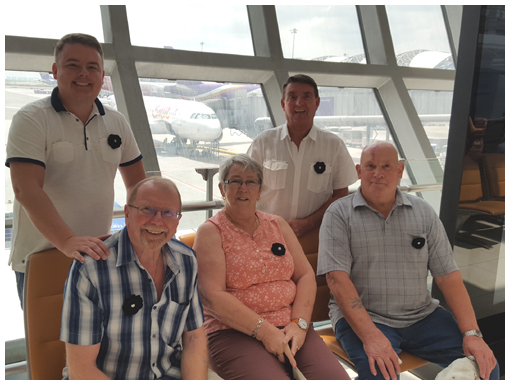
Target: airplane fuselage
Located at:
point(187, 119)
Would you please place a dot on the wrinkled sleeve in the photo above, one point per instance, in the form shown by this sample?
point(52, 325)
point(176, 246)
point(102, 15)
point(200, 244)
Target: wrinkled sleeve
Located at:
point(81, 313)
point(334, 243)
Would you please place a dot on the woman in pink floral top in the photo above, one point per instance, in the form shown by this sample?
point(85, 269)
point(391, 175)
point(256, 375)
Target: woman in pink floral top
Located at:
point(257, 287)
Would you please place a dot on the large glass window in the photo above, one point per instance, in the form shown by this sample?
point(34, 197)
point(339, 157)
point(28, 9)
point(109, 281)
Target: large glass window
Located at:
point(51, 21)
point(434, 110)
point(419, 36)
point(320, 32)
point(197, 124)
point(207, 28)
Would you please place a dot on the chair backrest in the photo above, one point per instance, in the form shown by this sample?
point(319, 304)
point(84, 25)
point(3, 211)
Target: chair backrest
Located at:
point(43, 296)
point(310, 244)
point(188, 239)
point(471, 188)
point(494, 167)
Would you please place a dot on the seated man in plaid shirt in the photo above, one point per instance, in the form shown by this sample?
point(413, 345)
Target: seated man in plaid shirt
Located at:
point(137, 315)
point(376, 248)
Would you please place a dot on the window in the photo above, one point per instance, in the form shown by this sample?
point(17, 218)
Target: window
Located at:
point(434, 110)
point(320, 32)
point(206, 28)
point(198, 125)
point(51, 21)
point(419, 36)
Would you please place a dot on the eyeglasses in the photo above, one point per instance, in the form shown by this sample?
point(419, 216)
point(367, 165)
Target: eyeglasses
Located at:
point(250, 183)
point(149, 211)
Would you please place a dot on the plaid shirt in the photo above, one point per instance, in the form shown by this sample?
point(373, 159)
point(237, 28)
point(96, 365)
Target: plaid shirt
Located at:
point(143, 346)
point(388, 269)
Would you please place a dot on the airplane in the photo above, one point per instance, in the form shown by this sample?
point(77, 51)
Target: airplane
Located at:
point(183, 118)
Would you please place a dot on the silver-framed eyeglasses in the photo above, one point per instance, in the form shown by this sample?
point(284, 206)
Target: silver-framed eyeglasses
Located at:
point(250, 183)
point(150, 211)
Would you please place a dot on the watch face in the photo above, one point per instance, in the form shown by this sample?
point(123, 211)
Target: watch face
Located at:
point(302, 324)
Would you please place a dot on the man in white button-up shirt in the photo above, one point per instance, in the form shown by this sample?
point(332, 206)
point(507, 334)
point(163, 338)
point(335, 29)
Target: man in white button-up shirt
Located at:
point(305, 168)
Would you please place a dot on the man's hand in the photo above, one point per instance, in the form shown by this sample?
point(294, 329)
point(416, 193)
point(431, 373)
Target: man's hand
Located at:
point(476, 346)
point(299, 226)
point(380, 351)
point(91, 246)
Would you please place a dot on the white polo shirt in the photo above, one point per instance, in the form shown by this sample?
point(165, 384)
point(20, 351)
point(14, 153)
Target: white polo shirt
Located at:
point(80, 167)
point(292, 188)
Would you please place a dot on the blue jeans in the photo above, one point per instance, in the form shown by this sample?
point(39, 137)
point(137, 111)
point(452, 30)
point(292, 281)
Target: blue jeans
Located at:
point(20, 281)
point(436, 338)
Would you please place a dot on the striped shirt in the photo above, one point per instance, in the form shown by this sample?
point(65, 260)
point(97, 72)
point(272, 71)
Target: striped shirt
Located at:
point(143, 346)
point(387, 259)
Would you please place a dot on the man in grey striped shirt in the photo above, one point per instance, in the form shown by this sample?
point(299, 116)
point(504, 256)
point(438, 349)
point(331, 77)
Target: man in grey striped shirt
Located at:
point(137, 315)
point(376, 248)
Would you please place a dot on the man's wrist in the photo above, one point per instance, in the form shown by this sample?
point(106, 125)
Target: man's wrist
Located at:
point(473, 332)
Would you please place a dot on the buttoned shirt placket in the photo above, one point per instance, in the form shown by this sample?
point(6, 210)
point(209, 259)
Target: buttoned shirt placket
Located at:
point(297, 156)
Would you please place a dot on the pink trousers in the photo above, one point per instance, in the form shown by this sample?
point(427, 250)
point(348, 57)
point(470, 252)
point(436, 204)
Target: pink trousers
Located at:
point(236, 356)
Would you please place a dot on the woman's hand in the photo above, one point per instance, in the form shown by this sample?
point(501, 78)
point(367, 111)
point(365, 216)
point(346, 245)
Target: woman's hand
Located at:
point(295, 334)
point(275, 342)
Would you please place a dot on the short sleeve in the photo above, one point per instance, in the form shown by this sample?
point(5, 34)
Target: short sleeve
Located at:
point(344, 170)
point(130, 151)
point(255, 151)
point(441, 261)
point(195, 317)
point(27, 140)
point(81, 313)
point(334, 243)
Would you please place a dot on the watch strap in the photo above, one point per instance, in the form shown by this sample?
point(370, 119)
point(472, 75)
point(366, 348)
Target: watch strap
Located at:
point(474, 332)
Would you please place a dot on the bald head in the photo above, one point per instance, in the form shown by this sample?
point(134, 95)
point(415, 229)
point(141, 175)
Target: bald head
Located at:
point(157, 182)
point(379, 171)
point(376, 147)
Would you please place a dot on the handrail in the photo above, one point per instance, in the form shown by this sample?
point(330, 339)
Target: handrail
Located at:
point(218, 204)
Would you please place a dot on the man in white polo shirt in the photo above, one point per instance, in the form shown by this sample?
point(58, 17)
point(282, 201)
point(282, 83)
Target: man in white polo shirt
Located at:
point(63, 152)
point(305, 168)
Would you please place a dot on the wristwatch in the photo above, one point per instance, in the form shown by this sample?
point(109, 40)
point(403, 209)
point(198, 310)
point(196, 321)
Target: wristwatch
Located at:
point(474, 332)
point(301, 323)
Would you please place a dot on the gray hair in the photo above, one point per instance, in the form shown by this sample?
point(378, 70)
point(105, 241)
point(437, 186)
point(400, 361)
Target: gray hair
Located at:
point(245, 160)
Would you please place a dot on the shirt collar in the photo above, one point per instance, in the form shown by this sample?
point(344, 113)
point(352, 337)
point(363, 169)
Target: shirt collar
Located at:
point(59, 107)
point(312, 134)
point(400, 199)
point(126, 252)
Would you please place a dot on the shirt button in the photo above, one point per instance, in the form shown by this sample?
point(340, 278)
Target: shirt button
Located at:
point(23, 261)
point(153, 336)
point(155, 307)
point(77, 120)
point(153, 364)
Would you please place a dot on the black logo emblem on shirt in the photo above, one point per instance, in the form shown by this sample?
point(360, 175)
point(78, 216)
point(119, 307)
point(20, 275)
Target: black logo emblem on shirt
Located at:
point(319, 167)
point(278, 249)
point(418, 243)
point(114, 141)
point(132, 304)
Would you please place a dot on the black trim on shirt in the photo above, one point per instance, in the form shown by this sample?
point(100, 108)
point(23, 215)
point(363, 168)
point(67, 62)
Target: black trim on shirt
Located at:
point(24, 160)
point(59, 107)
point(138, 158)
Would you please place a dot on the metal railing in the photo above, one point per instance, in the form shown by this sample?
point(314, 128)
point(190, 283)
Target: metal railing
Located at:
point(210, 205)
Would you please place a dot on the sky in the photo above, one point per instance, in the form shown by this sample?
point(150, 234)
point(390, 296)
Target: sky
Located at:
point(321, 29)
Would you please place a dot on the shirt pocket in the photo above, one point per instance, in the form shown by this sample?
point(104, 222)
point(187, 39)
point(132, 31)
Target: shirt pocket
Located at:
point(63, 152)
point(415, 247)
point(318, 183)
point(275, 174)
point(110, 155)
point(173, 324)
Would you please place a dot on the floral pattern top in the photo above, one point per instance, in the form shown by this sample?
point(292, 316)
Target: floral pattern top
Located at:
point(255, 275)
